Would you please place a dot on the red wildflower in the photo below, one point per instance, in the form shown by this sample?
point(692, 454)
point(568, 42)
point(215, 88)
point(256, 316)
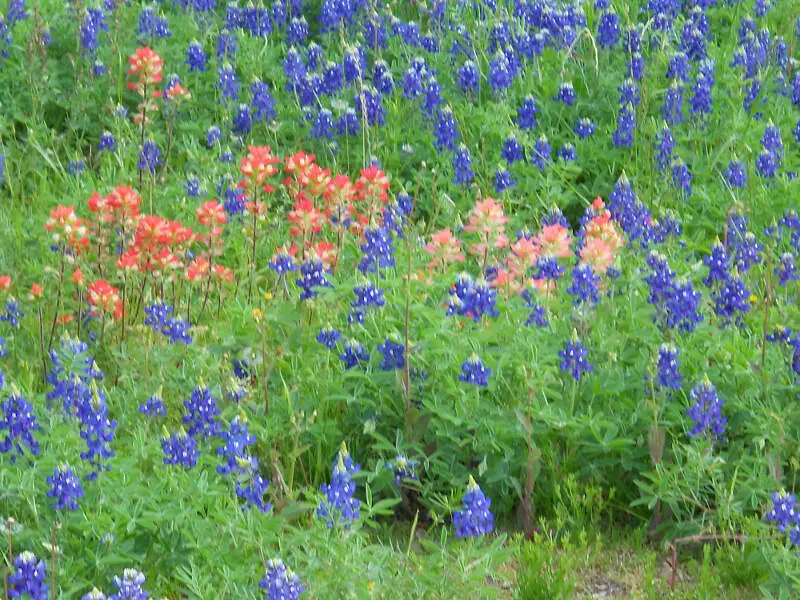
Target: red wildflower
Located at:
point(105, 298)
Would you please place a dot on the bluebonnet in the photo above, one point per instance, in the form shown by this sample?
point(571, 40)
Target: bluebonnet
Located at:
point(353, 354)
point(445, 130)
point(367, 295)
point(767, 164)
point(468, 77)
point(393, 355)
point(381, 78)
point(107, 142)
point(76, 167)
point(584, 286)
point(174, 328)
point(786, 269)
point(678, 67)
point(312, 275)
point(339, 505)
point(95, 594)
point(213, 135)
point(65, 488)
point(706, 411)
point(632, 215)
point(702, 102)
point(369, 103)
point(328, 336)
point(731, 297)
point(192, 185)
point(377, 249)
point(242, 121)
point(404, 469)
point(227, 45)
point(500, 72)
point(526, 113)
point(567, 152)
point(462, 166)
point(472, 298)
point(718, 264)
point(154, 406)
point(28, 578)
point(672, 108)
point(323, 127)
point(695, 34)
point(149, 156)
point(297, 31)
point(180, 449)
point(201, 413)
point(97, 429)
point(629, 93)
point(283, 263)
point(682, 178)
point(99, 69)
point(784, 513)
point(17, 426)
point(626, 125)
point(129, 586)
point(541, 152)
point(573, 358)
point(795, 133)
point(228, 82)
point(512, 150)
point(262, 101)
point(432, 96)
point(608, 30)
point(584, 128)
point(236, 442)
point(668, 374)
point(253, 493)
point(736, 174)
point(355, 63)
point(281, 583)
point(566, 93)
point(348, 123)
point(547, 267)
point(152, 26)
point(538, 314)
point(13, 312)
point(664, 146)
point(677, 303)
point(3, 351)
point(196, 57)
point(93, 23)
point(503, 180)
point(474, 519)
point(475, 372)
point(746, 250)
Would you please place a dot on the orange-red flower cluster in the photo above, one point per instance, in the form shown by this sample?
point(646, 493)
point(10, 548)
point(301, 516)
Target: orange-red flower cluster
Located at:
point(67, 229)
point(105, 298)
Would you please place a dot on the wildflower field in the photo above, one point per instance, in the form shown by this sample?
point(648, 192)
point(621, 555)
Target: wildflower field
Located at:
point(399, 299)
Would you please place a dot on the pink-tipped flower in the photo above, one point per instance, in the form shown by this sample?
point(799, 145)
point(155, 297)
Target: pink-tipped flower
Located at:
point(258, 166)
point(554, 241)
point(598, 254)
point(524, 253)
point(5, 283)
point(147, 65)
point(444, 248)
point(305, 218)
point(67, 228)
point(373, 185)
point(211, 213)
point(105, 298)
point(488, 220)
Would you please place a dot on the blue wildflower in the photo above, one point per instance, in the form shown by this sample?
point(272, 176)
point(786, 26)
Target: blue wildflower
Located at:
point(706, 411)
point(339, 505)
point(474, 519)
point(65, 488)
point(281, 583)
point(475, 372)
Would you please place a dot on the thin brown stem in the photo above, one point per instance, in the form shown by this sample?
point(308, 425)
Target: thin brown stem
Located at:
point(58, 296)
